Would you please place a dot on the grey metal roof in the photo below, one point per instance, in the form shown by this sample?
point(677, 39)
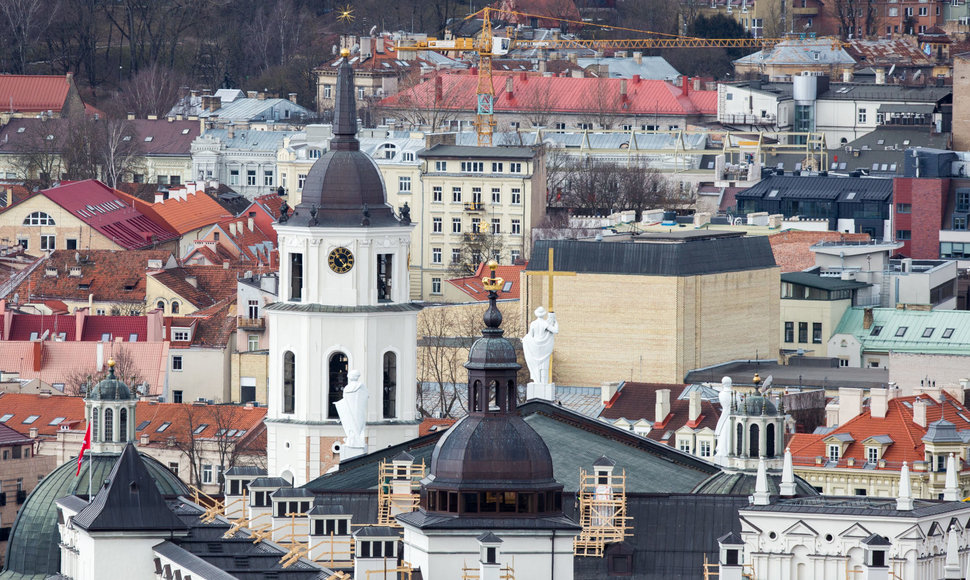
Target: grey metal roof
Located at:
point(575, 441)
point(191, 562)
point(812, 52)
point(249, 140)
point(843, 437)
point(900, 108)
point(829, 188)
point(129, 501)
point(431, 521)
point(301, 307)
point(258, 110)
point(869, 507)
point(883, 439)
point(793, 376)
point(247, 470)
point(471, 152)
point(650, 68)
point(742, 483)
point(813, 280)
point(656, 256)
point(877, 540)
point(942, 431)
point(671, 536)
point(377, 532)
point(489, 538)
point(269, 482)
point(288, 492)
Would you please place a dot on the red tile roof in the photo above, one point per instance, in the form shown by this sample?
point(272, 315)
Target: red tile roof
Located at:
point(898, 423)
point(47, 408)
point(636, 401)
point(196, 210)
point(117, 327)
point(213, 283)
point(25, 325)
point(54, 362)
point(211, 327)
point(557, 94)
point(430, 425)
point(103, 209)
point(791, 247)
point(34, 93)
point(183, 419)
point(110, 275)
point(472, 285)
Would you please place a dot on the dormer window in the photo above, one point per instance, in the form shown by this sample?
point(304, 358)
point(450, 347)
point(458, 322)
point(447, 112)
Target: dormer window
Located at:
point(181, 334)
point(388, 150)
point(835, 451)
point(872, 454)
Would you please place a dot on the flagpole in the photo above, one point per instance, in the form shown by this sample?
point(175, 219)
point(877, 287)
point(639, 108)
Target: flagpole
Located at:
point(89, 476)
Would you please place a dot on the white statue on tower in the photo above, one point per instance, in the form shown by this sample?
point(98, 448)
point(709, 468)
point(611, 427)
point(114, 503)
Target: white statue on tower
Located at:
point(537, 347)
point(352, 409)
point(723, 430)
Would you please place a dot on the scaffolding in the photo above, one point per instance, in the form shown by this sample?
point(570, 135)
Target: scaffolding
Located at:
point(403, 571)
point(398, 491)
point(602, 512)
point(712, 570)
point(505, 573)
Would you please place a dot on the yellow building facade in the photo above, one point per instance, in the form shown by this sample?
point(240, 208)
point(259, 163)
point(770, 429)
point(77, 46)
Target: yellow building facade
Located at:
point(646, 311)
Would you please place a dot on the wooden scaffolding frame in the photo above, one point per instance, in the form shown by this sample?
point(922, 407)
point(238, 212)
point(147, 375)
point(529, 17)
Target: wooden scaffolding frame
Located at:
point(507, 572)
point(602, 513)
point(390, 503)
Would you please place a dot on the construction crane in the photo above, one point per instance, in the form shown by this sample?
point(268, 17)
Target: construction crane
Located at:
point(488, 46)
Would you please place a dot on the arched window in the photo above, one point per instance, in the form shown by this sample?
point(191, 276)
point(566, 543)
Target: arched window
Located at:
point(107, 425)
point(175, 307)
point(493, 402)
point(512, 394)
point(289, 381)
point(739, 441)
point(754, 441)
point(338, 380)
point(390, 385)
point(389, 150)
point(160, 305)
point(38, 218)
point(96, 435)
point(477, 396)
point(123, 425)
point(770, 440)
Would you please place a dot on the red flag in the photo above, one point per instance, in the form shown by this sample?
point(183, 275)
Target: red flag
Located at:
point(84, 445)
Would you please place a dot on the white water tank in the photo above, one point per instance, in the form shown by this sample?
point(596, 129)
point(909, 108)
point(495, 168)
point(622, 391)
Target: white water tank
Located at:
point(804, 88)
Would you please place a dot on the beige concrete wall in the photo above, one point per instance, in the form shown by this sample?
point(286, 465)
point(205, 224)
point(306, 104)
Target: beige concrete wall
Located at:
point(65, 226)
point(961, 106)
point(655, 328)
point(828, 312)
point(253, 365)
point(156, 291)
point(908, 369)
point(205, 374)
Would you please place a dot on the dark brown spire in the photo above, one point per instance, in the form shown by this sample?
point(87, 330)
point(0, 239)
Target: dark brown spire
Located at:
point(345, 108)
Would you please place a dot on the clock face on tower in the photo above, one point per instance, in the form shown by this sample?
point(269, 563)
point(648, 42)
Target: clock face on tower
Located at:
point(341, 260)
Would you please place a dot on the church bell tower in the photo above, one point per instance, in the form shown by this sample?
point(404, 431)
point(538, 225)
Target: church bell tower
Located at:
point(343, 306)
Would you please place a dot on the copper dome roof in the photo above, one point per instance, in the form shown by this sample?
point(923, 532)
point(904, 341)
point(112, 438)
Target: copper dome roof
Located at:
point(344, 187)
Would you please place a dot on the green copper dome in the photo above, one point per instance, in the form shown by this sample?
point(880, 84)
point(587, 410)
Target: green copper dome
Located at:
point(32, 550)
point(110, 389)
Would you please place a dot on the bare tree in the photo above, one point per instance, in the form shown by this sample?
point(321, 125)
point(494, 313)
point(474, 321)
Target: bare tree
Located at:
point(153, 91)
point(603, 104)
point(39, 160)
point(445, 333)
point(428, 102)
point(223, 448)
point(80, 381)
point(27, 20)
point(538, 110)
point(477, 246)
point(116, 150)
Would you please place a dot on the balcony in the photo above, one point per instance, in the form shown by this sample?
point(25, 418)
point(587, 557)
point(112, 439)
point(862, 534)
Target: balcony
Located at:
point(805, 11)
point(747, 119)
point(244, 323)
point(475, 206)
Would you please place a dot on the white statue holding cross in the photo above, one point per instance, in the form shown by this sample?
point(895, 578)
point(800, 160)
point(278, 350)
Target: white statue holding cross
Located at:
point(538, 343)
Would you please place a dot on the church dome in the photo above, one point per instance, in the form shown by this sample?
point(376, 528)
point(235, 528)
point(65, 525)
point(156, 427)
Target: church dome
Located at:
point(33, 547)
point(492, 461)
point(110, 389)
point(492, 452)
point(758, 405)
point(344, 187)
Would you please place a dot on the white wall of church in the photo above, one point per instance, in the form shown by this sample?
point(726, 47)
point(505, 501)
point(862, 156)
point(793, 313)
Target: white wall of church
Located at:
point(537, 554)
point(108, 555)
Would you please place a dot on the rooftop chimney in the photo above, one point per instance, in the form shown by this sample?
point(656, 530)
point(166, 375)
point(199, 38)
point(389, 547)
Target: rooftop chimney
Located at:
point(638, 57)
point(607, 390)
point(232, 229)
point(880, 76)
point(250, 222)
point(850, 404)
point(695, 406)
point(292, 97)
point(662, 407)
point(623, 89)
point(878, 402)
point(508, 87)
point(919, 412)
point(193, 281)
point(131, 116)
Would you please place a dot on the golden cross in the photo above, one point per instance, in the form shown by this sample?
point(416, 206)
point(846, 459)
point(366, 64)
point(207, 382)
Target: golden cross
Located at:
point(550, 273)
